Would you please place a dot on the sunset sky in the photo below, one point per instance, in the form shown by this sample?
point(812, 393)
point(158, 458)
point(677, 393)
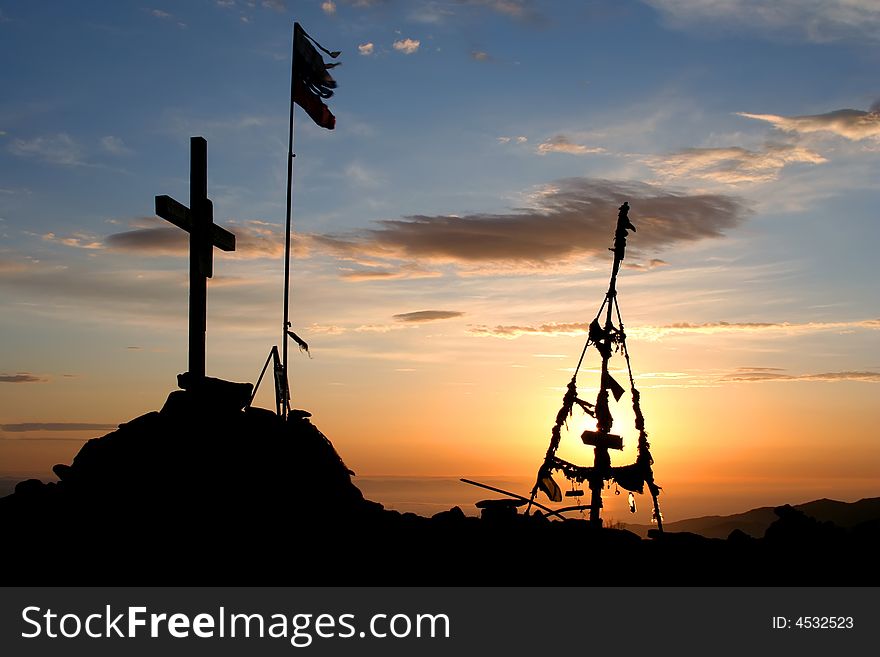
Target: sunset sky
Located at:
point(452, 232)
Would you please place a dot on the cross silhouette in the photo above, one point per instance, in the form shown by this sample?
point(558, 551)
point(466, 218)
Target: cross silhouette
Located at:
point(204, 235)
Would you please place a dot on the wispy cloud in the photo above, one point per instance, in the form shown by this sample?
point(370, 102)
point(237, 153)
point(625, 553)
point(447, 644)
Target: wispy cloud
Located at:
point(22, 377)
point(762, 328)
point(653, 263)
point(506, 140)
point(849, 123)
point(60, 148)
point(552, 329)
point(366, 49)
point(365, 4)
point(480, 56)
point(431, 13)
point(407, 46)
point(56, 426)
point(567, 219)
point(427, 315)
point(362, 175)
point(555, 329)
point(161, 14)
point(818, 21)
point(764, 374)
point(114, 146)
point(78, 240)
point(403, 272)
point(522, 10)
point(562, 144)
point(328, 7)
point(732, 165)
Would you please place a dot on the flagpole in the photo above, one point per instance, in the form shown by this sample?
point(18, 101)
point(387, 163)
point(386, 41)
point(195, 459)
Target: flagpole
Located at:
point(285, 406)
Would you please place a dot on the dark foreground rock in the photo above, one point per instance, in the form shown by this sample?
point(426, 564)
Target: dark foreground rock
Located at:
point(205, 493)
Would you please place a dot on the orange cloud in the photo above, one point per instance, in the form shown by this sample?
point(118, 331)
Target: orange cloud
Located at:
point(562, 144)
point(852, 124)
point(658, 332)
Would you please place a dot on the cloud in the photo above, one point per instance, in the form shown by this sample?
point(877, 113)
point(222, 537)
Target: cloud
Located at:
point(522, 10)
point(22, 377)
point(427, 315)
point(480, 56)
point(784, 329)
point(362, 175)
point(78, 240)
point(60, 148)
point(277, 5)
point(431, 13)
point(114, 146)
point(365, 4)
point(653, 263)
point(568, 219)
point(366, 49)
point(507, 140)
point(407, 46)
point(404, 272)
point(849, 123)
point(328, 7)
point(765, 374)
point(161, 14)
point(562, 144)
point(732, 165)
point(253, 239)
point(55, 426)
point(154, 241)
point(553, 329)
point(819, 21)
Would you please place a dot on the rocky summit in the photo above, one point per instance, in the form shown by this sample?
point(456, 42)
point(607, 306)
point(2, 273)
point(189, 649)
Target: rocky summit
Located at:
point(211, 491)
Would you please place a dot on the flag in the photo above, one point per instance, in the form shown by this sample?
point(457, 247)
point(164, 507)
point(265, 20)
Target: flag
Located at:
point(616, 389)
point(312, 81)
point(550, 487)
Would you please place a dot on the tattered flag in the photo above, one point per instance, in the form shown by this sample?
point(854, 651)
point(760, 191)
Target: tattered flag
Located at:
point(550, 487)
point(612, 385)
point(302, 344)
point(311, 78)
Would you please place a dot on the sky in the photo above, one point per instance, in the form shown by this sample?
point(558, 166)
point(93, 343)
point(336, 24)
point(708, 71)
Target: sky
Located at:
point(451, 234)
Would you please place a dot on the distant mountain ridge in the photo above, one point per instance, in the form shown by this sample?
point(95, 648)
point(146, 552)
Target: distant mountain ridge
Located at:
point(756, 521)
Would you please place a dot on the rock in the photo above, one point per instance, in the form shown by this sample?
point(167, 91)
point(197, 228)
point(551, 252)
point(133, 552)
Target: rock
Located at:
point(499, 510)
point(225, 394)
point(739, 537)
point(30, 487)
point(61, 471)
point(453, 515)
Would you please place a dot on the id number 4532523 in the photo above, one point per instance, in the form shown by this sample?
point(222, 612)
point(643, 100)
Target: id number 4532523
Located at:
point(813, 623)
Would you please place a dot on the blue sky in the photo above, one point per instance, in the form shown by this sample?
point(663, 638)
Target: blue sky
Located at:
point(480, 152)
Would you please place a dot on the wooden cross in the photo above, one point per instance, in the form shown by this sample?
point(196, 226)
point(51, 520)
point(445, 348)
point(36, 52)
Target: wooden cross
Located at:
point(204, 235)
